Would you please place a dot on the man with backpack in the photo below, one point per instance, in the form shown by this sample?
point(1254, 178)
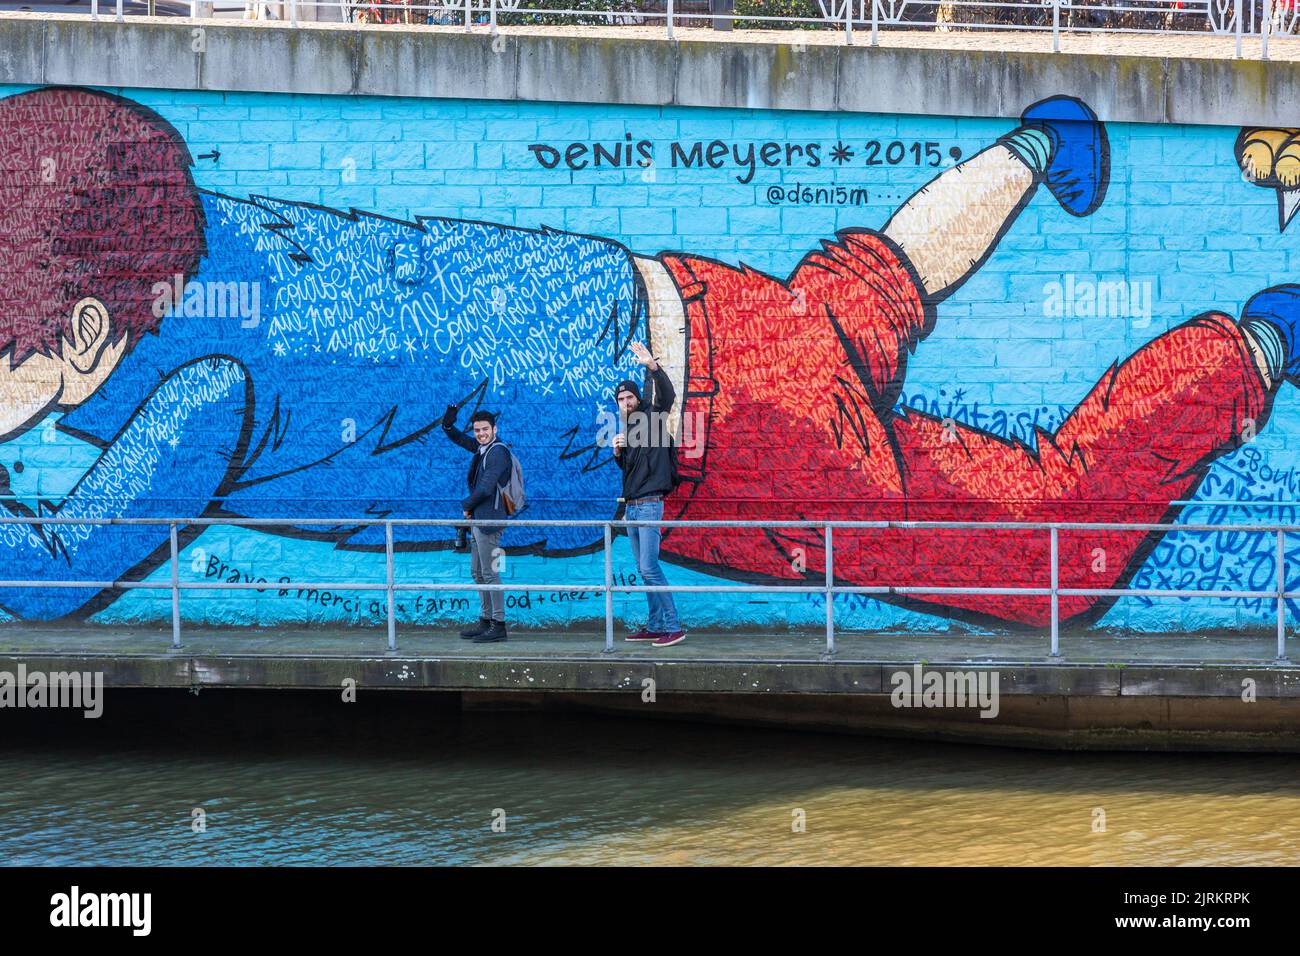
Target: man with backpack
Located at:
point(644, 452)
point(493, 466)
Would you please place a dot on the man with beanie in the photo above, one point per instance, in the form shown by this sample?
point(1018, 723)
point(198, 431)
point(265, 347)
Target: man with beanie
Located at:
point(643, 450)
point(488, 471)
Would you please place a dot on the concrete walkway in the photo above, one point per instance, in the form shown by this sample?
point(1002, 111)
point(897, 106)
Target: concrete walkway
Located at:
point(1201, 692)
point(1077, 647)
point(1197, 692)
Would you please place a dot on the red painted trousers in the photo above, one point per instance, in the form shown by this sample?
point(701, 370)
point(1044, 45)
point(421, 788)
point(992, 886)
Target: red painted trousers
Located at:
point(795, 383)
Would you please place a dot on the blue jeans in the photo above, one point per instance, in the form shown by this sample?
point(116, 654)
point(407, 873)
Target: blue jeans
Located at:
point(645, 546)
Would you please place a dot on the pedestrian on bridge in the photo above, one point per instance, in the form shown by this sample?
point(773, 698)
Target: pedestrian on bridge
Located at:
point(488, 471)
point(644, 452)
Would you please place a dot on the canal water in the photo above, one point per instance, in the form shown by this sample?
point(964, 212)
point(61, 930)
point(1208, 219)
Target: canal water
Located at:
point(405, 779)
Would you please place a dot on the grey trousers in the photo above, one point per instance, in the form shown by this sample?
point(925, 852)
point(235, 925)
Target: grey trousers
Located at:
point(481, 566)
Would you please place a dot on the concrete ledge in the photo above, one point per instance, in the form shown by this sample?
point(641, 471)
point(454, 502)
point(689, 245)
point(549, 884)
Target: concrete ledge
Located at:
point(1186, 691)
point(1130, 79)
point(618, 673)
point(1067, 705)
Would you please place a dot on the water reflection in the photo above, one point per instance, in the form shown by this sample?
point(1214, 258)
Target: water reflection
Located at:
point(406, 779)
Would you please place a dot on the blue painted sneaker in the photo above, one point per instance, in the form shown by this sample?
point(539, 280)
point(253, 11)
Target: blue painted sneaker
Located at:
point(1079, 170)
point(1280, 308)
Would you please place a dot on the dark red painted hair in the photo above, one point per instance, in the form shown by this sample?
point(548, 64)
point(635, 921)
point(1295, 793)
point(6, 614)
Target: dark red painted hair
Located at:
point(96, 199)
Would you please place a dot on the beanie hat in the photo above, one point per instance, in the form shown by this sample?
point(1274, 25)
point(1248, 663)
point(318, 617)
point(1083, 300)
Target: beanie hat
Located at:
point(627, 385)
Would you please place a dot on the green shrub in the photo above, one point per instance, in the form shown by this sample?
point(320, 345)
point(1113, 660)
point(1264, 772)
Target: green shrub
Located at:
point(779, 8)
point(601, 12)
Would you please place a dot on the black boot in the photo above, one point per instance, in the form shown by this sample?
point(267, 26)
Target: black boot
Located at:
point(497, 632)
point(474, 630)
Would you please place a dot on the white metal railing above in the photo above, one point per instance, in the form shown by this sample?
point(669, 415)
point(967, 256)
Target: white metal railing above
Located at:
point(1260, 20)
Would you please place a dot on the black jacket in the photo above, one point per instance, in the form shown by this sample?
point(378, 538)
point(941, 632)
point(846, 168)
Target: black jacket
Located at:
point(487, 473)
point(649, 462)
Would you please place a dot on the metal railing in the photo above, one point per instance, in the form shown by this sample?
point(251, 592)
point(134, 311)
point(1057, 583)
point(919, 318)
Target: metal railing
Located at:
point(828, 588)
point(1259, 19)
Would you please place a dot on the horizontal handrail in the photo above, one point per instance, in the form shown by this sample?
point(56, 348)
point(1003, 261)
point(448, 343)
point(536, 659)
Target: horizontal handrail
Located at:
point(666, 523)
point(829, 589)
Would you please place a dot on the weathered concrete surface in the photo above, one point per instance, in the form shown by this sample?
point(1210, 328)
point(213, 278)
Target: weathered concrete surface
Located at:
point(1148, 79)
point(1100, 697)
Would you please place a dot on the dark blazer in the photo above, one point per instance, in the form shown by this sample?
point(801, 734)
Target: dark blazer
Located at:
point(487, 473)
point(650, 467)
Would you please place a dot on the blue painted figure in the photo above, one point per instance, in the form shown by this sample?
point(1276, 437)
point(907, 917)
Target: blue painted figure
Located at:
point(270, 359)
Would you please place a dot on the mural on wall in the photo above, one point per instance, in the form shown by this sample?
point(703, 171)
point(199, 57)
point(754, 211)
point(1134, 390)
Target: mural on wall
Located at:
point(1270, 157)
point(228, 355)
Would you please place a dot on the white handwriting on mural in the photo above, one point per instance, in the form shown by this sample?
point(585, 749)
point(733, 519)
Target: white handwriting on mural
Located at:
point(131, 466)
point(530, 308)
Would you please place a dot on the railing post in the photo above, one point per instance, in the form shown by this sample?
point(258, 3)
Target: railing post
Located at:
point(293, 13)
point(848, 22)
point(875, 22)
point(830, 583)
point(119, 11)
point(1264, 29)
point(669, 18)
point(1056, 26)
point(609, 591)
point(1281, 591)
point(467, 16)
point(388, 583)
point(1239, 15)
point(1056, 598)
point(94, 9)
point(492, 14)
point(176, 587)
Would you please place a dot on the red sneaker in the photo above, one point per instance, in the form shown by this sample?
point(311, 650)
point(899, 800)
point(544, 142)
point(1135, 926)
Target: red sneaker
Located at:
point(641, 635)
point(669, 639)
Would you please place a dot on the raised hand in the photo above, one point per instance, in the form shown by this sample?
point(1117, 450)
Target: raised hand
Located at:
point(643, 356)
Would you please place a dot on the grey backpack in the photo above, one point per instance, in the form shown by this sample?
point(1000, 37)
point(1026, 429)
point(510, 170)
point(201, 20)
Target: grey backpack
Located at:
point(510, 496)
